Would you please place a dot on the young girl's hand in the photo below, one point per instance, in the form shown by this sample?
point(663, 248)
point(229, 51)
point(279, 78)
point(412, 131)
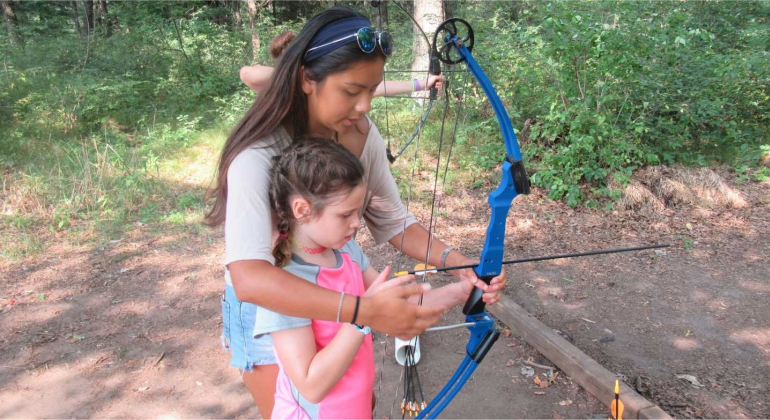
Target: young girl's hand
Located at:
point(380, 283)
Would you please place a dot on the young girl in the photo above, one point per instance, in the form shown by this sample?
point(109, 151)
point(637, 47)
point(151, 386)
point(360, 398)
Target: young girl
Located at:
point(326, 369)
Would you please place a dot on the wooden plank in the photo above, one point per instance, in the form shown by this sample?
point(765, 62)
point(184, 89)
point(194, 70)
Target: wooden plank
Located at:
point(582, 369)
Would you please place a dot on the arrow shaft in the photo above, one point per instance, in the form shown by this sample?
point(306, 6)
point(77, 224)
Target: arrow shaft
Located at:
point(550, 257)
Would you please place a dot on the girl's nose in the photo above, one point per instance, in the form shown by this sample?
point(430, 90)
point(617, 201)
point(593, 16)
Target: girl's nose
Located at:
point(364, 105)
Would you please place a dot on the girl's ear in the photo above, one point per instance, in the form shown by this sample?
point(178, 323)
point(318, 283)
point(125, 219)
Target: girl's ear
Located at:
point(301, 209)
point(308, 86)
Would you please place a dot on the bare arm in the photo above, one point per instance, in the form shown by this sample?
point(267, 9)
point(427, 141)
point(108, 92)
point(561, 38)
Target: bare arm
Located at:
point(443, 297)
point(256, 76)
point(313, 372)
point(316, 373)
point(396, 87)
point(263, 284)
point(415, 245)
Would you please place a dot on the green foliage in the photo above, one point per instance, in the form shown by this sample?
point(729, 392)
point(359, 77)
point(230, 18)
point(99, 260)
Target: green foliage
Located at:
point(609, 87)
point(96, 127)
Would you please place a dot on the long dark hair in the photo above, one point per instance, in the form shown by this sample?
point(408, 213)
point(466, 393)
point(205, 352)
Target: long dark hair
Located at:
point(316, 169)
point(282, 101)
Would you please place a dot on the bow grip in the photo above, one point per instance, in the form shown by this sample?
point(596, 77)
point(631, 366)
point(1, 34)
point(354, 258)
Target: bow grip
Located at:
point(475, 304)
point(435, 69)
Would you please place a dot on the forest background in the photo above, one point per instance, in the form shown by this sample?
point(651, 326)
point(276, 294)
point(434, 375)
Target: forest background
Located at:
point(112, 113)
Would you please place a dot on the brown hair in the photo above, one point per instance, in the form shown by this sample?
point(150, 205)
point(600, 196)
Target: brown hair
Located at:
point(282, 101)
point(280, 43)
point(318, 170)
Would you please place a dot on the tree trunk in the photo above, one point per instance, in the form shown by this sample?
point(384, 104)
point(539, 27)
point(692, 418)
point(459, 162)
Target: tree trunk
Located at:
point(10, 22)
point(90, 18)
point(99, 13)
point(253, 11)
point(76, 18)
point(449, 8)
point(381, 16)
point(429, 14)
point(237, 18)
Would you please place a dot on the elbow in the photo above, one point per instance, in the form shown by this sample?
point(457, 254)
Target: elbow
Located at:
point(242, 274)
point(248, 79)
point(313, 396)
point(244, 74)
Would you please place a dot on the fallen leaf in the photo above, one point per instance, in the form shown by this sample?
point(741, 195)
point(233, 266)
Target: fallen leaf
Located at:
point(552, 377)
point(144, 388)
point(510, 363)
point(511, 345)
point(688, 333)
point(542, 384)
point(688, 226)
point(692, 380)
point(565, 403)
point(507, 332)
point(76, 337)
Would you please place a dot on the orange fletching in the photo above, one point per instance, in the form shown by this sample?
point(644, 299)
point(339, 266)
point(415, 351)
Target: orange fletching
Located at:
point(616, 407)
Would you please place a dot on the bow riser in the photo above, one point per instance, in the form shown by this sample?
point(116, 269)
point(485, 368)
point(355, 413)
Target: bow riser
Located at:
point(514, 182)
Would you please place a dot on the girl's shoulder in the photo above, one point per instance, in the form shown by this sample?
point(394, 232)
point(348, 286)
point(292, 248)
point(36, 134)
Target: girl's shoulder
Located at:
point(257, 159)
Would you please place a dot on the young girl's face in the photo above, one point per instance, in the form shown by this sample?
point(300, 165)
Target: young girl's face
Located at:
point(338, 221)
point(342, 99)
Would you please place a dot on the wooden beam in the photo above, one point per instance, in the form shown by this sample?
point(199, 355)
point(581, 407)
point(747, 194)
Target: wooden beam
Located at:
point(582, 369)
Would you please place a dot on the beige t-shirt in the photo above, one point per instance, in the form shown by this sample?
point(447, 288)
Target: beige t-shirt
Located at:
point(249, 228)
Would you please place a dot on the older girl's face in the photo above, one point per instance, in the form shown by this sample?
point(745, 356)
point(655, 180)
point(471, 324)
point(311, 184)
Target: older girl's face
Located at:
point(342, 99)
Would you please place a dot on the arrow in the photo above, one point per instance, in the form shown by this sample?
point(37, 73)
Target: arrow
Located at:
point(616, 407)
point(421, 269)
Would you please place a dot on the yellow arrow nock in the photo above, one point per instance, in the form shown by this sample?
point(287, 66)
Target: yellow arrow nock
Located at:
point(418, 269)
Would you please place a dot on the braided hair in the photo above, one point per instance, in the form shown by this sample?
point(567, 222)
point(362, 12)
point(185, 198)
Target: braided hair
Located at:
point(318, 170)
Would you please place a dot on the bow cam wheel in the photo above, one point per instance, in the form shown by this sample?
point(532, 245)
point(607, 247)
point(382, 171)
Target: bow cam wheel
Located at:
point(450, 35)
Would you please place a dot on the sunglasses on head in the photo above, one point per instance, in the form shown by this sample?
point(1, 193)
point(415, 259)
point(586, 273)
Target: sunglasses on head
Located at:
point(367, 39)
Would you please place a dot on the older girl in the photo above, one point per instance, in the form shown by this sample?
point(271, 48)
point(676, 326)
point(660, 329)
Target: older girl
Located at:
point(322, 86)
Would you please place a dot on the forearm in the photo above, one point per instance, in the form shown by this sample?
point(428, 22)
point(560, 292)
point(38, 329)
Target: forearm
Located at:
point(263, 284)
point(443, 297)
point(416, 245)
point(395, 88)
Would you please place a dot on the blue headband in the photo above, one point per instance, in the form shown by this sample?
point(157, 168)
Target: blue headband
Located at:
point(335, 35)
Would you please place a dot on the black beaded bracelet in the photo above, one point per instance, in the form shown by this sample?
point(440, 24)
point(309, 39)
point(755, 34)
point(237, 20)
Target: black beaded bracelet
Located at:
point(355, 311)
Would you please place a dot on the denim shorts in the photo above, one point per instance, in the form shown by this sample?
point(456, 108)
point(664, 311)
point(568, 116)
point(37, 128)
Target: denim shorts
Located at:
point(237, 334)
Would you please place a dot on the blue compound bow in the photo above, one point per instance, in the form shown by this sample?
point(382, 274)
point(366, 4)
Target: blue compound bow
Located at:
point(452, 44)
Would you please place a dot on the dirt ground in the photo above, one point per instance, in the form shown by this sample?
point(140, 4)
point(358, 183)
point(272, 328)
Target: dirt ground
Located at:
point(131, 329)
